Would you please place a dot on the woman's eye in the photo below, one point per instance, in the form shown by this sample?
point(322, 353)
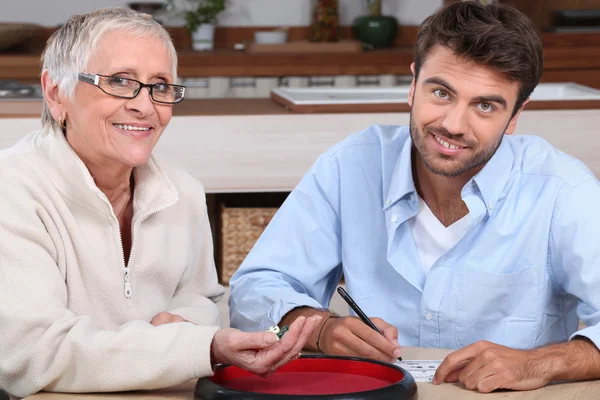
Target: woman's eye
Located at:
point(117, 81)
point(441, 93)
point(161, 87)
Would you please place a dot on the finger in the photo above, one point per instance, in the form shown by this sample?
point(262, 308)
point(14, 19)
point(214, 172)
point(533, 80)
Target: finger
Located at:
point(490, 383)
point(470, 369)
point(177, 318)
point(453, 375)
point(455, 360)
point(311, 324)
point(254, 341)
point(382, 345)
point(282, 350)
point(476, 374)
point(389, 332)
point(365, 344)
point(160, 318)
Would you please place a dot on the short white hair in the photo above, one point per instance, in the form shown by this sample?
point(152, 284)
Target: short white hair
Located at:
point(71, 47)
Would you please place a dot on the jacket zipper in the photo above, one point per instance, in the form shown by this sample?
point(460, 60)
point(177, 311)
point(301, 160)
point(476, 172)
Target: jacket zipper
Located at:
point(127, 292)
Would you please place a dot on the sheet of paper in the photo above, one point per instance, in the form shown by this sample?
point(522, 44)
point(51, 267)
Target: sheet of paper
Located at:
point(421, 370)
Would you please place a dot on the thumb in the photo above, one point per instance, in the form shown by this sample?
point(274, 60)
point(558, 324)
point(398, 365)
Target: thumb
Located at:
point(260, 340)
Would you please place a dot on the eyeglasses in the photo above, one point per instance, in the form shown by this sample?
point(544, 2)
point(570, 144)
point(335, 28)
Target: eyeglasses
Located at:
point(127, 88)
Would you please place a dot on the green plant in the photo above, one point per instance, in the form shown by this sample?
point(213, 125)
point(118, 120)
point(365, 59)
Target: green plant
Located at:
point(198, 12)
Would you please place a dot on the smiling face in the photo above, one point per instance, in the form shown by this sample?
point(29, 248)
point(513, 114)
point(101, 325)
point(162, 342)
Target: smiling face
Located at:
point(109, 131)
point(460, 111)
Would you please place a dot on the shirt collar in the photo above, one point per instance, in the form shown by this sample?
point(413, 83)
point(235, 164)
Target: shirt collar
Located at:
point(493, 177)
point(490, 181)
point(153, 189)
point(401, 183)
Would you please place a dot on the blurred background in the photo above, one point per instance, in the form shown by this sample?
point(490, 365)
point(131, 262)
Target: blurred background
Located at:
point(245, 48)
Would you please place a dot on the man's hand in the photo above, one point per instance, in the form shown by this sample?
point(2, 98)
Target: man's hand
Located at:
point(165, 318)
point(261, 352)
point(349, 336)
point(486, 366)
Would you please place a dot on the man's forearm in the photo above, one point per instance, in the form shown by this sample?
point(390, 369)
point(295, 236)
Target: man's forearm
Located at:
point(311, 344)
point(576, 360)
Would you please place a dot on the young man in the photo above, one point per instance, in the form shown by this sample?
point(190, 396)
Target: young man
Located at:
point(450, 233)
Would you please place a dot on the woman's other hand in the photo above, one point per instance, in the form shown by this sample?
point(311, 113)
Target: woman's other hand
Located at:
point(166, 318)
point(261, 352)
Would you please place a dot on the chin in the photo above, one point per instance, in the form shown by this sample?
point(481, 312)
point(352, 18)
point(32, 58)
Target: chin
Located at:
point(137, 159)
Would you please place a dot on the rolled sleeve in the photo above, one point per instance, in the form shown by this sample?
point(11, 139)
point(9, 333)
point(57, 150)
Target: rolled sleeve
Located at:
point(576, 252)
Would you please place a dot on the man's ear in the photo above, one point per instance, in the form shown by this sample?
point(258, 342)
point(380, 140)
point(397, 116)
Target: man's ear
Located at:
point(512, 124)
point(411, 91)
point(52, 96)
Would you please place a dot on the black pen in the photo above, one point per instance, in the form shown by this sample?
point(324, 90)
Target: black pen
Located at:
point(358, 311)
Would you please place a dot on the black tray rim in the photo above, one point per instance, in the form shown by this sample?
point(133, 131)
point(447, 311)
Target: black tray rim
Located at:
point(407, 385)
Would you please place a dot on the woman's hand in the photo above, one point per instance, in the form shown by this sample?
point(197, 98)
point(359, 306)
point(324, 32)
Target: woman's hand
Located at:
point(261, 352)
point(166, 318)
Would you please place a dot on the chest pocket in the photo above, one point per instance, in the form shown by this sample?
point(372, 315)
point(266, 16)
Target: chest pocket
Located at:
point(500, 308)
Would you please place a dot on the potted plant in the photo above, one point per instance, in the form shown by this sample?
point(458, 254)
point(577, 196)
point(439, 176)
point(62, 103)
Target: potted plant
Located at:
point(375, 30)
point(201, 16)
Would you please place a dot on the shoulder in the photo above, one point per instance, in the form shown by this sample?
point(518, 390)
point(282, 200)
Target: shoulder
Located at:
point(184, 182)
point(378, 138)
point(536, 158)
point(20, 166)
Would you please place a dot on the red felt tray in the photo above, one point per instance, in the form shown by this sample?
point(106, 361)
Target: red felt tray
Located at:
point(312, 377)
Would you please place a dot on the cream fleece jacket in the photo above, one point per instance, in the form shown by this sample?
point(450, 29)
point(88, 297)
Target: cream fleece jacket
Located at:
point(66, 324)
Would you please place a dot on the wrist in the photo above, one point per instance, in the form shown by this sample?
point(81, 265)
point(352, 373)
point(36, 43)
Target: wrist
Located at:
point(321, 336)
point(307, 312)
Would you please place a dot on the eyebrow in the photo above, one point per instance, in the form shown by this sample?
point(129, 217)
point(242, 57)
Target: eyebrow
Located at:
point(161, 75)
point(492, 98)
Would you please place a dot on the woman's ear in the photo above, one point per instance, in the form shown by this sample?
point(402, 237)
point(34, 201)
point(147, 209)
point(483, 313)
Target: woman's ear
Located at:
point(52, 97)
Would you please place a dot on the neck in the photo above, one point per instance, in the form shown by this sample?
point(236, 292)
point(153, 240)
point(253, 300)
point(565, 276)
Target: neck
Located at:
point(442, 194)
point(114, 182)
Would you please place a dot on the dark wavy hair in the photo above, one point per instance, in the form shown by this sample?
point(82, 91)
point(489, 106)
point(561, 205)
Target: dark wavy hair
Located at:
point(494, 35)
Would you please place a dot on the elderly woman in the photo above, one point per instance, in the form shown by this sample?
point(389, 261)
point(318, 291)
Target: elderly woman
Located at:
point(107, 281)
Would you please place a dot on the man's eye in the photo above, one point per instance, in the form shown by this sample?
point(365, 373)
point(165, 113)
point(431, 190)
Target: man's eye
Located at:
point(486, 107)
point(441, 93)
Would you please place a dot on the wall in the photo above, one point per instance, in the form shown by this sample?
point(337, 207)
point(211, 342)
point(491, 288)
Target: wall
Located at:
point(239, 12)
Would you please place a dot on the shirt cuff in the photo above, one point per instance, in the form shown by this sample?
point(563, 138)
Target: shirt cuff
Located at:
point(280, 308)
point(591, 332)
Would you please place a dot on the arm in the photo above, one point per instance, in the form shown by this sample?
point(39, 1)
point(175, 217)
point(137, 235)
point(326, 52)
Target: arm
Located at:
point(574, 269)
point(486, 366)
point(295, 266)
point(46, 346)
point(198, 290)
point(297, 260)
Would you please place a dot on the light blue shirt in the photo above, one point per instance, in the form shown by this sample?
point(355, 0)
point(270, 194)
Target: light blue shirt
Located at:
point(522, 276)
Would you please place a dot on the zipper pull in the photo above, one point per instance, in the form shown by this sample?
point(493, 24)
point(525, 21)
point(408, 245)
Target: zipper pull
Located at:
point(127, 283)
point(127, 289)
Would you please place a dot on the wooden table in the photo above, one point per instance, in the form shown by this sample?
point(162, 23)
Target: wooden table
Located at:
point(427, 391)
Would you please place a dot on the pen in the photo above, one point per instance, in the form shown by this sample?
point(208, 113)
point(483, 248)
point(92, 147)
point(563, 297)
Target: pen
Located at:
point(358, 311)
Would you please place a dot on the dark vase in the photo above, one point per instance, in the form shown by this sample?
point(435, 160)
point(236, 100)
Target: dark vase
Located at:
point(375, 31)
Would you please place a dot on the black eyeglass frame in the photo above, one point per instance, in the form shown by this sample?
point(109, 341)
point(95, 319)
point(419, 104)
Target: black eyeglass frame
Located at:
point(94, 79)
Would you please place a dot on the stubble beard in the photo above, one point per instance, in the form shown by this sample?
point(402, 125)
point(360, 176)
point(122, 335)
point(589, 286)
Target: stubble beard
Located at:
point(451, 169)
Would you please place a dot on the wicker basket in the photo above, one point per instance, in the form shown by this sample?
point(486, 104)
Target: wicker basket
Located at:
point(240, 229)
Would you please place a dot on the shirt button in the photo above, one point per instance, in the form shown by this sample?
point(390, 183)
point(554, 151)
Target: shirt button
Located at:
point(412, 198)
point(428, 315)
point(394, 218)
point(388, 202)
